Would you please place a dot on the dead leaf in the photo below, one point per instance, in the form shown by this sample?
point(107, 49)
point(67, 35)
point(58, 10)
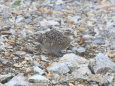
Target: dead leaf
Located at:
point(82, 40)
point(71, 84)
point(69, 22)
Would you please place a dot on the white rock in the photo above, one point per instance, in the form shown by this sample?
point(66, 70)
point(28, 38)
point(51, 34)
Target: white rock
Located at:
point(52, 22)
point(44, 58)
point(5, 77)
point(38, 70)
point(58, 67)
point(81, 49)
point(72, 60)
point(18, 80)
point(103, 60)
point(82, 72)
point(75, 18)
point(19, 18)
point(102, 64)
point(113, 1)
point(38, 79)
point(48, 22)
point(59, 2)
point(20, 53)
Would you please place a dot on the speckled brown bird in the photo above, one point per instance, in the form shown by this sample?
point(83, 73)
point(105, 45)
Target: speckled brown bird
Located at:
point(54, 41)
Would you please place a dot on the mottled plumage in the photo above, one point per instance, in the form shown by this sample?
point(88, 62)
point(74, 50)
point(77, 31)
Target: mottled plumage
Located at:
point(53, 41)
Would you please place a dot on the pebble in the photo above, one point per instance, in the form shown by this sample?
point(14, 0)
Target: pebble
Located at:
point(19, 18)
point(38, 79)
point(99, 41)
point(81, 49)
point(18, 80)
point(82, 72)
point(18, 65)
point(57, 67)
point(112, 1)
point(59, 7)
point(38, 70)
point(72, 60)
point(44, 58)
point(75, 18)
point(27, 21)
point(20, 53)
point(5, 77)
point(4, 61)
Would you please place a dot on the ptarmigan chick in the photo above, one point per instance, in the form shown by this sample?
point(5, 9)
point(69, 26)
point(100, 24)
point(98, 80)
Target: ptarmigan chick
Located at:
point(53, 42)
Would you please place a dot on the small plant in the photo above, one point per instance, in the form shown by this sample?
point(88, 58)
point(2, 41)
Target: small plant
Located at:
point(17, 3)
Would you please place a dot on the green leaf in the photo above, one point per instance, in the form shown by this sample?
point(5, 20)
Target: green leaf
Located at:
point(17, 3)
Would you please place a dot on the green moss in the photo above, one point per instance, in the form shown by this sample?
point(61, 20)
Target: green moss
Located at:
point(17, 3)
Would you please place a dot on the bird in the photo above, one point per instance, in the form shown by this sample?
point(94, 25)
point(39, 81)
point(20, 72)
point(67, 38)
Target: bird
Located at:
point(53, 42)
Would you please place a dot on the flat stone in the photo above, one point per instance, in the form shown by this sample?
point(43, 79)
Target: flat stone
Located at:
point(58, 67)
point(38, 70)
point(19, 53)
point(27, 21)
point(72, 60)
point(99, 41)
point(5, 77)
point(38, 79)
point(81, 49)
point(102, 64)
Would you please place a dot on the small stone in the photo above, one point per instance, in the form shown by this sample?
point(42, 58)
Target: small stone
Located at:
point(75, 18)
point(44, 58)
point(59, 2)
point(48, 22)
point(4, 61)
point(99, 41)
point(18, 80)
point(20, 53)
point(5, 77)
point(7, 54)
point(49, 75)
point(81, 49)
point(102, 64)
point(19, 18)
point(57, 67)
point(59, 7)
point(38, 79)
point(72, 60)
point(112, 1)
point(17, 65)
point(27, 21)
point(29, 70)
point(38, 70)
point(81, 72)
point(7, 70)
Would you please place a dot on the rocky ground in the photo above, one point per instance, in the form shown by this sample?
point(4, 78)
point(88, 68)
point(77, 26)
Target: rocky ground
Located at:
point(88, 60)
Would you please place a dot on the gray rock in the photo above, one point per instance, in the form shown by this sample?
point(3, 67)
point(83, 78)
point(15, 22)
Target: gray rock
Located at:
point(19, 53)
point(4, 61)
point(38, 79)
point(44, 58)
point(99, 41)
point(113, 1)
point(72, 60)
point(81, 49)
point(27, 21)
point(82, 72)
point(18, 80)
point(58, 67)
point(59, 7)
point(38, 70)
point(75, 18)
point(19, 18)
point(5, 77)
point(102, 64)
